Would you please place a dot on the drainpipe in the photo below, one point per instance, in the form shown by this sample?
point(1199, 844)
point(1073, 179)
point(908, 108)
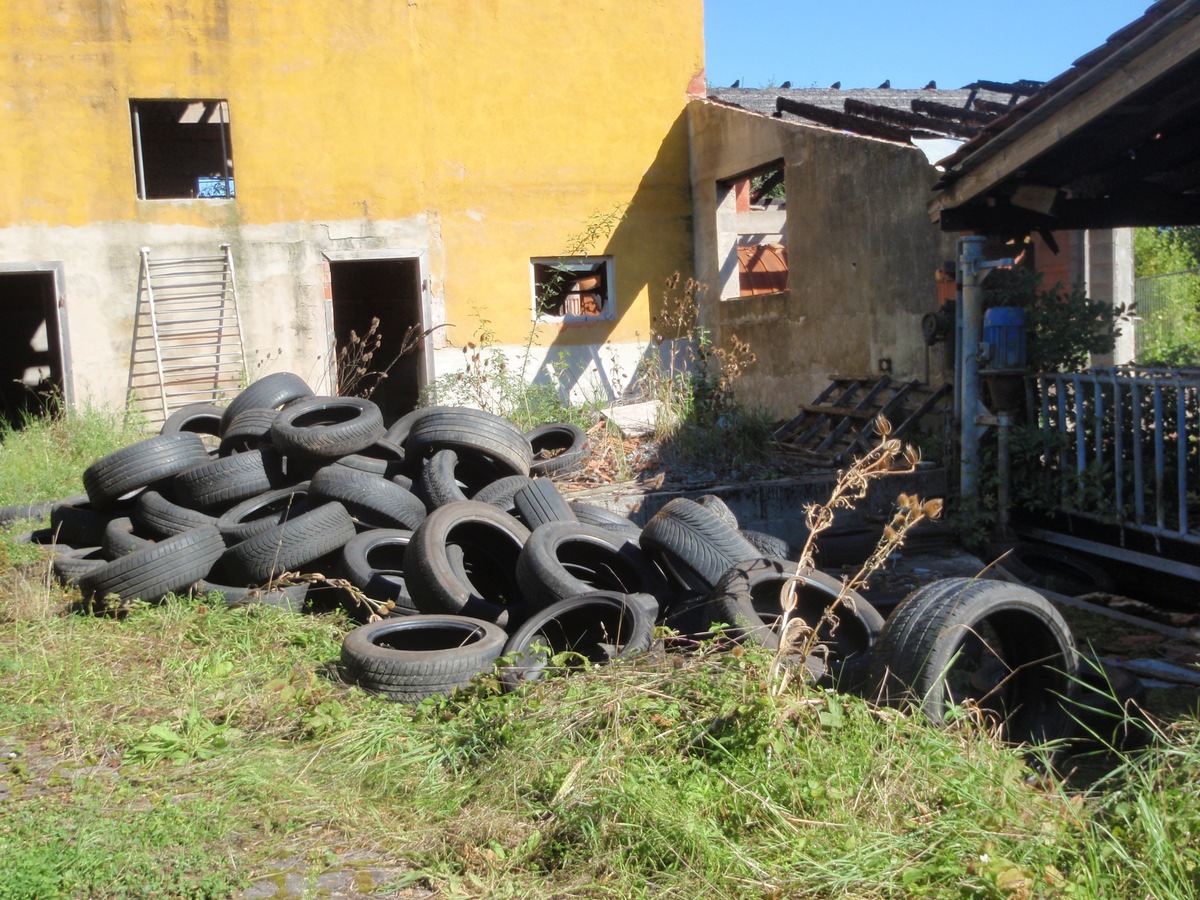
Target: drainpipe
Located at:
point(970, 259)
point(972, 270)
point(1004, 465)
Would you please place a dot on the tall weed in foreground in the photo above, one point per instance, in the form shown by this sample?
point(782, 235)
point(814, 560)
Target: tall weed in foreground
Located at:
point(888, 457)
point(44, 458)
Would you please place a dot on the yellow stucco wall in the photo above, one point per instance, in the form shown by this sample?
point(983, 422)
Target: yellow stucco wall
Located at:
point(498, 125)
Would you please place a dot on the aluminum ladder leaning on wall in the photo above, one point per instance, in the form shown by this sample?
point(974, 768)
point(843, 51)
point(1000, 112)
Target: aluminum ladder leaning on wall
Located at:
point(187, 334)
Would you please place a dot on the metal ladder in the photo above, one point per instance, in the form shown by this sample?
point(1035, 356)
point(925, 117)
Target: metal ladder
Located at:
point(187, 335)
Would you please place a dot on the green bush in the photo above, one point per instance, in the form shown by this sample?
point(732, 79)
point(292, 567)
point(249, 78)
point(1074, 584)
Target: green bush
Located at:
point(1064, 327)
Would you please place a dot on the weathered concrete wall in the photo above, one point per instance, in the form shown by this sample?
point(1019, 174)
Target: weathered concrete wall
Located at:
point(475, 135)
point(861, 254)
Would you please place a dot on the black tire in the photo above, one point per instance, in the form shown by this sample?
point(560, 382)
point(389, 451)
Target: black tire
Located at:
point(500, 492)
point(558, 448)
point(694, 546)
point(199, 418)
point(1057, 570)
point(169, 566)
point(383, 458)
point(590, 514)
point(27, 510)
point(748, 598)
point(121, 539)
point(398, 431)
point(74, 521)
point(71, 565)
point(374, 563)
point(483, 584)
point(566, 559)
point(289, 599)
point(1109, 707)
point(941, 633)
point(158, 516)
point(718, 508)
point(372, 501)
point(141, 464)
point(327, 427)
point(226, 481)
point(411, 658)
point(249, 430)
point(289, 546)
point(770, 546)
point(437, 484)
point(474, 432)
point(540, 503)
point(269, 392)
point(687, 614)
point(262, 513)
point(599, 626)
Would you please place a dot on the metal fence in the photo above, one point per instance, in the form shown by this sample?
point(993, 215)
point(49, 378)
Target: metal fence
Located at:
point(1163, 304)
point(1122, 445)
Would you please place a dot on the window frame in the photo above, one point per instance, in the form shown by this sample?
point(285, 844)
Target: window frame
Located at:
point(586, 264)
point(730, 236)
point(219, 113)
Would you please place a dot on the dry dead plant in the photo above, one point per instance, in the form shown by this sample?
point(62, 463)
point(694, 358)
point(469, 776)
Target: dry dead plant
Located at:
point(889, 456)
point(356, 374)
point(376, 609)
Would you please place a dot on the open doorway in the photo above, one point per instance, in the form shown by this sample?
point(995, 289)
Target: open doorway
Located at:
point(31, 356)
point(388, 290)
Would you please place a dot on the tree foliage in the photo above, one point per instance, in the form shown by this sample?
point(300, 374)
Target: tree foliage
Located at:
point(1168, 300)
point(1160, 251)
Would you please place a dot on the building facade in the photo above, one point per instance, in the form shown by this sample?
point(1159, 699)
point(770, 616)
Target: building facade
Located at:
point(454, 169)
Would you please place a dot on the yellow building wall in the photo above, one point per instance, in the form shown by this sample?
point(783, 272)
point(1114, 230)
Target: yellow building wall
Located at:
point(480, 133)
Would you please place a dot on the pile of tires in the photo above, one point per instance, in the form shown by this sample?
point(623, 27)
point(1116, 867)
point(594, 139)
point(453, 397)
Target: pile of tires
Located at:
point(449, 523)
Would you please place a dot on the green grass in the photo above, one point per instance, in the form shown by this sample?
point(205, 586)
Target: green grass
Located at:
point(45, 457)
point(227, 735)
point(187, 747)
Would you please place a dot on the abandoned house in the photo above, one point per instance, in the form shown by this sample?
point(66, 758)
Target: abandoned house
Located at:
point(837, 182)
point(423, 164)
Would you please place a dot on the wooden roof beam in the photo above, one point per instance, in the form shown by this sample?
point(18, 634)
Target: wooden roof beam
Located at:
point(841, 120)
point(905, 119)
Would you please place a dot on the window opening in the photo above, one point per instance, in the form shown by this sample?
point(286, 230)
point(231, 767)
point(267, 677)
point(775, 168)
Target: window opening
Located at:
point(576, 287)
point(752, 233)
point(182, 149)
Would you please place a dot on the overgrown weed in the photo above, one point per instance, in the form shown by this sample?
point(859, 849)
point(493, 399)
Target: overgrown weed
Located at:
point(44, 458)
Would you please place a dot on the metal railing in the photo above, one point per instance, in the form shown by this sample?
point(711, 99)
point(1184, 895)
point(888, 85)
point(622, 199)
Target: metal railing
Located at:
point(1122, 445)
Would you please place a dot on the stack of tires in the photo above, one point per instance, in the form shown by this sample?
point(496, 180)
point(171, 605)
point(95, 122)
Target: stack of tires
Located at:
point(449, 521)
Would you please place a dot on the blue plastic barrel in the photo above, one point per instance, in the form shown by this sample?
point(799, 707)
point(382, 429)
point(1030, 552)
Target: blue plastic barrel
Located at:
point(1004, 330)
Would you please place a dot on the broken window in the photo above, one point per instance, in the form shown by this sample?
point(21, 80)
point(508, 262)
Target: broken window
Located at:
point(752, 233)
point(181, 149)
point(574, 287)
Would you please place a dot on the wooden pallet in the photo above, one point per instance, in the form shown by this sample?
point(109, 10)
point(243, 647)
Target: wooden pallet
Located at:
point(840, 423)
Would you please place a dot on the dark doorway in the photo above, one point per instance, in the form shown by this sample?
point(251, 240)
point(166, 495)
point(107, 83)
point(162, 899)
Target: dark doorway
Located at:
point(31, 361)
point(388, 290)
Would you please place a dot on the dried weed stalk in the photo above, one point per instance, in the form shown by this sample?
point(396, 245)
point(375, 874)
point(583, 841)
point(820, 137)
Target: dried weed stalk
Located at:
point(376, 609)
point(357, 374)
point(889, 456)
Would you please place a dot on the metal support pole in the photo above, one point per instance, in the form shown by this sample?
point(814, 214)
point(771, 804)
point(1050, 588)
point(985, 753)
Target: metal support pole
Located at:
point(971, 273)
point(1004, 464)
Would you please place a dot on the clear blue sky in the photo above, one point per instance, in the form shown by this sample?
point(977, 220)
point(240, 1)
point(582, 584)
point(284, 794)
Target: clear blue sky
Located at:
point(862, 42)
